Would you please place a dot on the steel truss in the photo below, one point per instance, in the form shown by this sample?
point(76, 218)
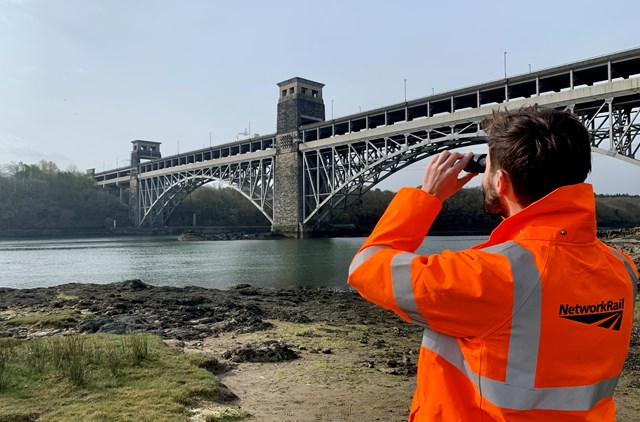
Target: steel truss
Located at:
point(614, 125)
point(336, 176)
point(158, 196)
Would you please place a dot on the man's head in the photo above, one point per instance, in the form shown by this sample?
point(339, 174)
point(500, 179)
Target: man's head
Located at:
point(538, 150)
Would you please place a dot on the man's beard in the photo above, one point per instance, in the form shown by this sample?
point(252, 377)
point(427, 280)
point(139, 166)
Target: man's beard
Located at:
point(492, 204)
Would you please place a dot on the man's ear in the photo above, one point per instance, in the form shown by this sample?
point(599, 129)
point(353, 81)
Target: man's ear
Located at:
point(503, 183)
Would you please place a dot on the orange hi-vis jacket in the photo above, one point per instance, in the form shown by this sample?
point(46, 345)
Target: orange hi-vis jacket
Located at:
point(533, 325)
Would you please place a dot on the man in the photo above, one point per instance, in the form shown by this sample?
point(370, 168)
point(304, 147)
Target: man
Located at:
point(535, 323)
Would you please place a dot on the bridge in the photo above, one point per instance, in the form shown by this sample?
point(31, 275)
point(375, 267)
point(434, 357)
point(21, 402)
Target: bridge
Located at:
point(312, 168)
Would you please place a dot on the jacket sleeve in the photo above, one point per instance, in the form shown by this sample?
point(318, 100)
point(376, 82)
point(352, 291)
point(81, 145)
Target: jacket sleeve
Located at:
point(460, 294)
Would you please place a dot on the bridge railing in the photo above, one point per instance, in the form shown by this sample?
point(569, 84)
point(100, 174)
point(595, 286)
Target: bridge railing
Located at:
point(589, 72)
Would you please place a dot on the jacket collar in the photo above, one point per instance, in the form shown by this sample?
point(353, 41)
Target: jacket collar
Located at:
point(567, 214)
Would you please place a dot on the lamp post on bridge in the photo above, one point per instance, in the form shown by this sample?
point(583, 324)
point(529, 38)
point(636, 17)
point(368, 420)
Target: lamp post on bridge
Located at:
point(505, 65)
point(405, 90)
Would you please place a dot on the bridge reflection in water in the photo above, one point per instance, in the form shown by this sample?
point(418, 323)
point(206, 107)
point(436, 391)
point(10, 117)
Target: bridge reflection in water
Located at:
point(312, 168)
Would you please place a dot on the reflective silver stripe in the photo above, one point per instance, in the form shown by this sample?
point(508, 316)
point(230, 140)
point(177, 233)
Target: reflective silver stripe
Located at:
point(634, 279)
point(526, 314)
point(363, 255)
point(403, 287)
point(509, 396)
point(518, 391)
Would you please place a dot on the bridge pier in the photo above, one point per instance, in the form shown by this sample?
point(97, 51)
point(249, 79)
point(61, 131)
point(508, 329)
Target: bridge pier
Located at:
point(287, 204)
point(142, 149)
point(134, 199)
point(300, 103)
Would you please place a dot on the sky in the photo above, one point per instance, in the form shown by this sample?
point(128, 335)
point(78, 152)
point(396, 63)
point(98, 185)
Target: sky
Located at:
point(81, 79)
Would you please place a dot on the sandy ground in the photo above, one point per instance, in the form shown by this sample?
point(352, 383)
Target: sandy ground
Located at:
point(341, 386)
point(336, 386)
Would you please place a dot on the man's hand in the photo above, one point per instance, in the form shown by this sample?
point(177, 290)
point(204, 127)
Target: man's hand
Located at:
point(441, 175)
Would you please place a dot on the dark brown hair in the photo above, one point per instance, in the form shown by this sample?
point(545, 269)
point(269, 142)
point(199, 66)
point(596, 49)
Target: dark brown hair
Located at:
point(540, 149)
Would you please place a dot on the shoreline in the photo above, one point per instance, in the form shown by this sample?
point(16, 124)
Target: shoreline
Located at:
point(215, 233)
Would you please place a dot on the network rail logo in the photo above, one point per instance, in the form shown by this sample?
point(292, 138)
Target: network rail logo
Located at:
point(604, 314)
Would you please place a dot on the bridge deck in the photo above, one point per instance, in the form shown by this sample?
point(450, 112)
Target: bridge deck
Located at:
point(545, 86)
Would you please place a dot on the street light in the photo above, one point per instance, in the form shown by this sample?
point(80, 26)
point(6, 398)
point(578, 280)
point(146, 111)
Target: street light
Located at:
point(505, 65)
point(405, 90)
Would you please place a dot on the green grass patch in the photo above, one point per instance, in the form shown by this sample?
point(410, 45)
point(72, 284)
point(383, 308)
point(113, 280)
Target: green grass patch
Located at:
point(218, 414)
point(64, 296)
point(66, 318)
point(341, 338)
point(101, 377)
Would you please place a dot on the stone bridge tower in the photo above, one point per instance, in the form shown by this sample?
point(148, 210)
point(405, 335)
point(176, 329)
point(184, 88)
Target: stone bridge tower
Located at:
point(300, 103)
point(142, 150)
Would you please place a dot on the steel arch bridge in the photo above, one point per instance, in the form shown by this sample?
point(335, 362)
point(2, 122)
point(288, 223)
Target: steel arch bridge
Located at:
point(337, 161)
point(160, 195)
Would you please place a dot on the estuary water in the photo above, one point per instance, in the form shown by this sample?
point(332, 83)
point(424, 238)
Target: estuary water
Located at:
point(165, 261)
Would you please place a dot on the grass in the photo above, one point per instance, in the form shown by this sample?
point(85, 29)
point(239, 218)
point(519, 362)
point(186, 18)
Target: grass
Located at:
point(66, 318)
point(101, 377)
point(218, 414)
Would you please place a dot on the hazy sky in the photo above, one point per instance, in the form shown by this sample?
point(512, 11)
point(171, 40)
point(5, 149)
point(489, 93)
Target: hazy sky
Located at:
point(81, 79)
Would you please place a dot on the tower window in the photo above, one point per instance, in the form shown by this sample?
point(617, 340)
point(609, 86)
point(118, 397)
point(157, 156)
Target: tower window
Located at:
point(284, 92)
point(314, 93)
point(292, 90)
point(304, 91)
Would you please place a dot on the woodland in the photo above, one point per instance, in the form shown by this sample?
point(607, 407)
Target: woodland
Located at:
point(41, 197)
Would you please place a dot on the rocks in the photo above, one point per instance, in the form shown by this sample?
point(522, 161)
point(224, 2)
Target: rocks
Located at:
point(266, 351)
point(627, 240)
point(121, 324)
point(131, 285)
point(196, 236)
point(214, 365)
point(324, 351)
point(189, 313)
point(178, 344)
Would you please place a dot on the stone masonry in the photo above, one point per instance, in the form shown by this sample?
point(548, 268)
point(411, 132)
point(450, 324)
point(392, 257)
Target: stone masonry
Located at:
point(287, 209)
point(300, 103)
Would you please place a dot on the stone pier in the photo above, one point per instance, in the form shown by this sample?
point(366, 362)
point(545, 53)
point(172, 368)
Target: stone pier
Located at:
point(300, 103)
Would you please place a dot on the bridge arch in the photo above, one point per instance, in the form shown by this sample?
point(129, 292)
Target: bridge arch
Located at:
point(610, 110)
point(367, 166)
point(160, 208)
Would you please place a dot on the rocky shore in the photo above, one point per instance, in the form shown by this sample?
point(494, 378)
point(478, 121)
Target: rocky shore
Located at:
point(271, 340)
point(298, 352)
point(185, 314)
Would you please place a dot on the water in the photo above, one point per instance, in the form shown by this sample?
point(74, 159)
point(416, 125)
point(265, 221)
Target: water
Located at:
point(165, 261)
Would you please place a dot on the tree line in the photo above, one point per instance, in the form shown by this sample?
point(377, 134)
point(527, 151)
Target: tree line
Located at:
point(43, 197)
